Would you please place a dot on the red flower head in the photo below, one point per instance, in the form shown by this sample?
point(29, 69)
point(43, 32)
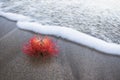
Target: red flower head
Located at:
point(40, 46)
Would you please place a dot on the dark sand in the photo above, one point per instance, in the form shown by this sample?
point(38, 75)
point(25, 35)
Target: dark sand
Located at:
point(74, 62)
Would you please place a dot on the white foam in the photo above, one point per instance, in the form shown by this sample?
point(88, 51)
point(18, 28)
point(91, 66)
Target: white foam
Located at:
point(23, 22)
point(14, 16)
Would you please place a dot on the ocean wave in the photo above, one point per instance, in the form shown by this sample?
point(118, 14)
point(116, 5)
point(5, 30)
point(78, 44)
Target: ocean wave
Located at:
point(26, 23)
point(98, 18)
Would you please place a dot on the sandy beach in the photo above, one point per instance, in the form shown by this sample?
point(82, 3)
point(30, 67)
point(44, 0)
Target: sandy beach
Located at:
point(74, 62)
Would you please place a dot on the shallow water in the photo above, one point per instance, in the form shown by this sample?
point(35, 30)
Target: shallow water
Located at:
point(98, 18)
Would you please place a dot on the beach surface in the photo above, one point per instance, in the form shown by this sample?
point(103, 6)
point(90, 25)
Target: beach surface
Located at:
point(74, 62)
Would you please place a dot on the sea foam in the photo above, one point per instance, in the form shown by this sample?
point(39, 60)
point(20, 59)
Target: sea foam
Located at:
point(25, 23)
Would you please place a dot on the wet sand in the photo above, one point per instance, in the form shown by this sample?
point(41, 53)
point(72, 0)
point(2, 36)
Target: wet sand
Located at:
point(74, 62)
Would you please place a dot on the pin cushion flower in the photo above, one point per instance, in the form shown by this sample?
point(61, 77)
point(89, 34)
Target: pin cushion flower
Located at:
point(40, 46)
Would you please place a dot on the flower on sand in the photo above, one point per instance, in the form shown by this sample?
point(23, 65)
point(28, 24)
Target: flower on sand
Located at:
point(40, 46)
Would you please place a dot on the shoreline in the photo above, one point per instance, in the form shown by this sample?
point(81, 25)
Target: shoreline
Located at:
point(72, 62)
point(24, 22)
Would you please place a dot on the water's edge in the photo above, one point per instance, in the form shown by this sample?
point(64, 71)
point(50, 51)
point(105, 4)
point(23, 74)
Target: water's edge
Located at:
point(26, 23)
